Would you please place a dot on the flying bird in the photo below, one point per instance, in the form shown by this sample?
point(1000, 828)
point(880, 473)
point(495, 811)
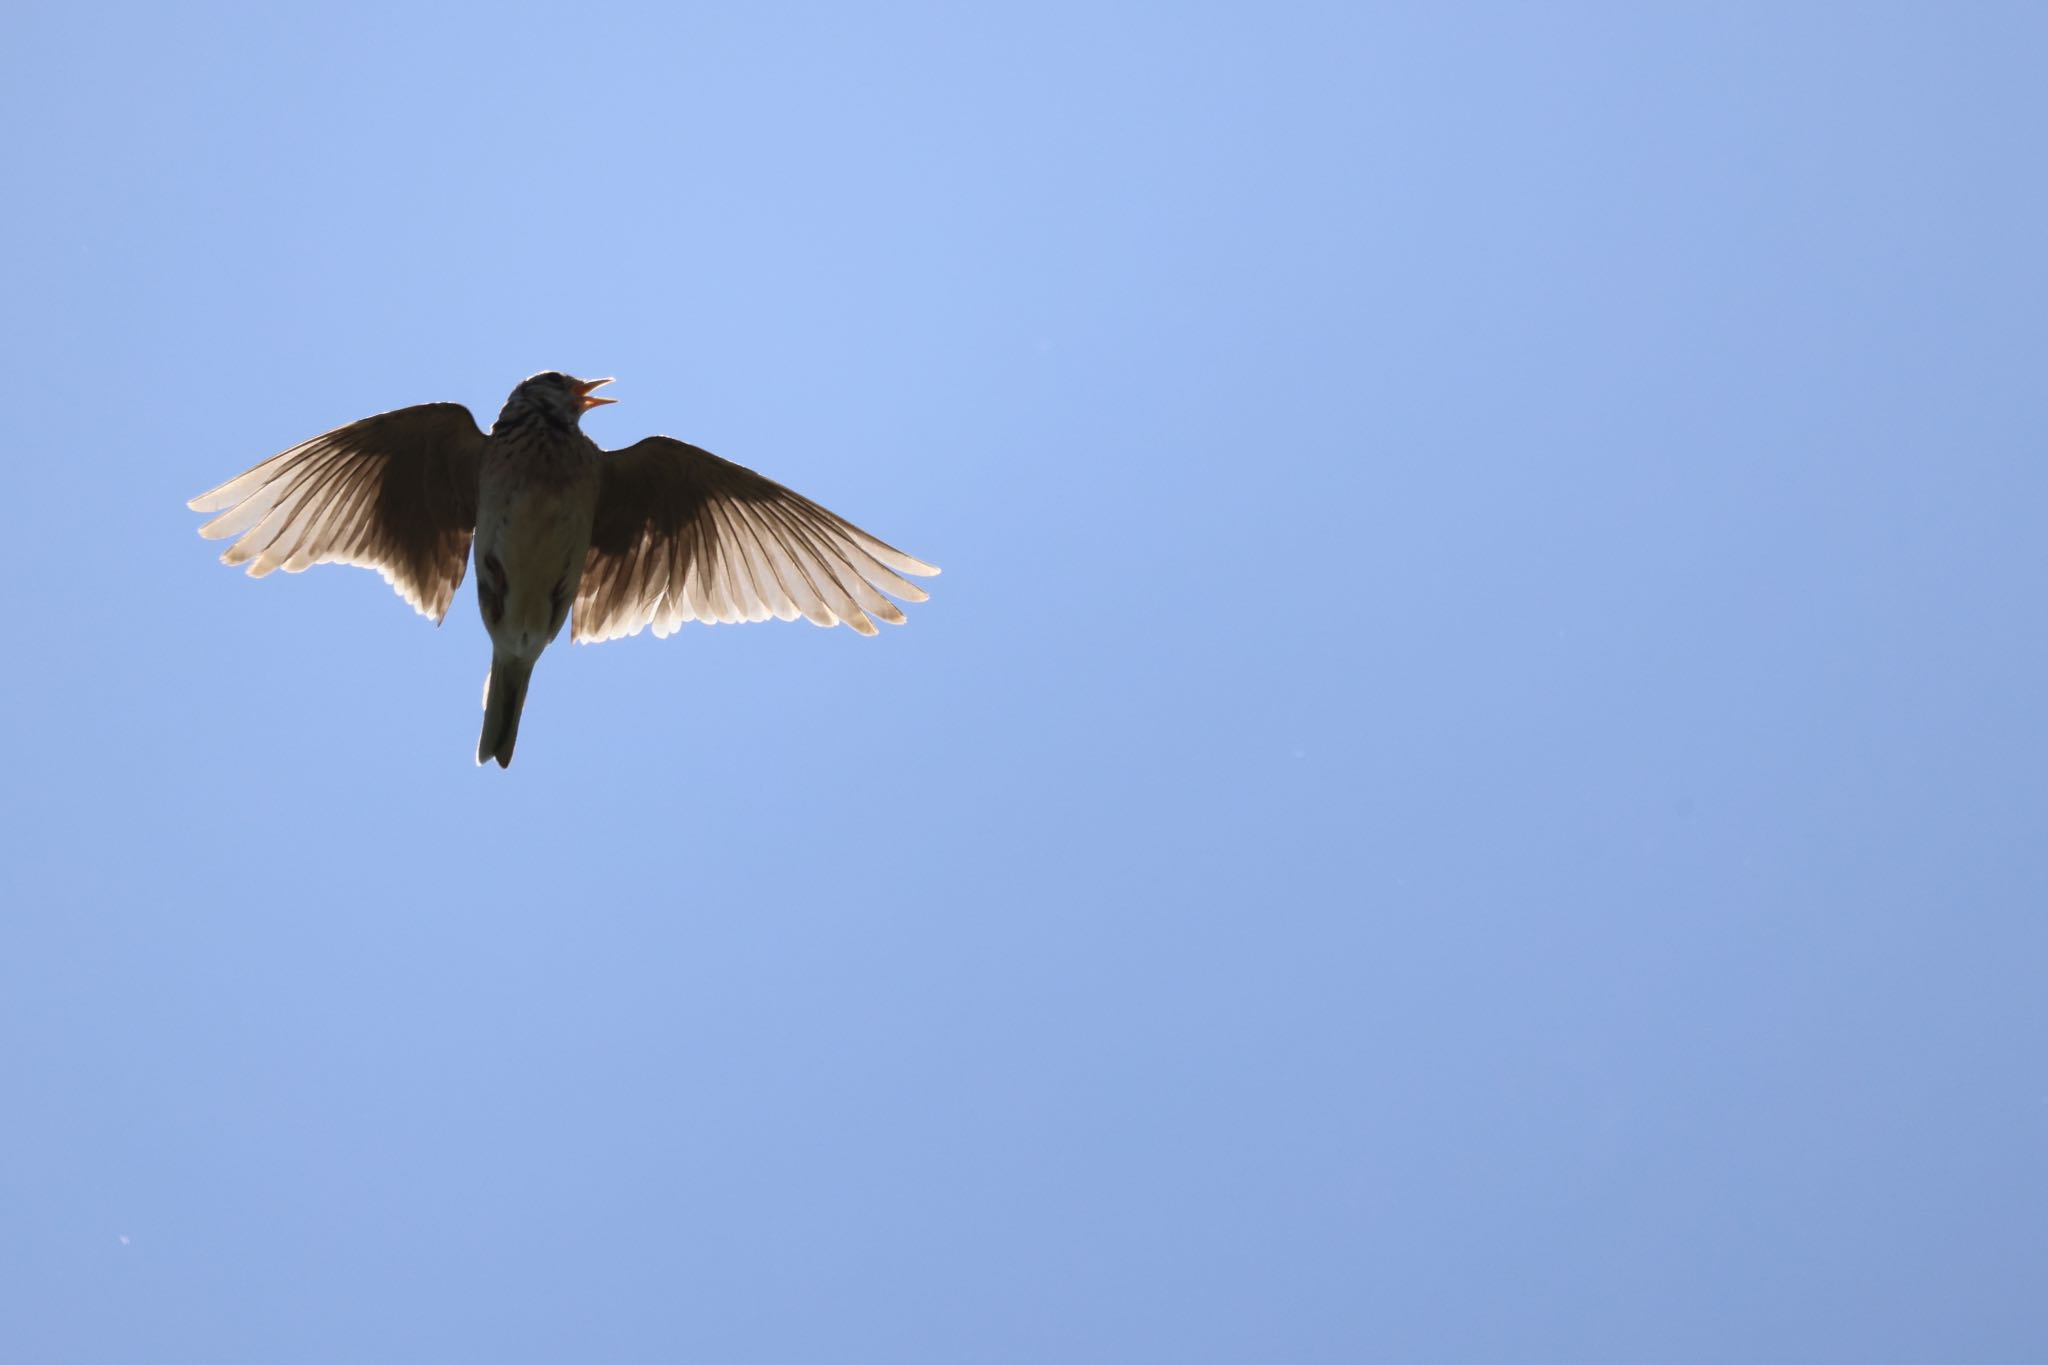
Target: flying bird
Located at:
point(653, 535)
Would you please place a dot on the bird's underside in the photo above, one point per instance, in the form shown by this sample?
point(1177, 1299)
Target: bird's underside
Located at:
point(666, 533)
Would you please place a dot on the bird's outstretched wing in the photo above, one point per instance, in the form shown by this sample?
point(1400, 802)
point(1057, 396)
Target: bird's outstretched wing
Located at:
point(395, 493)
point(682, 535)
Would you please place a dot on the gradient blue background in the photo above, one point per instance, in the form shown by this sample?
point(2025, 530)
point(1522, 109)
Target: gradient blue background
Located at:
point(1472, 790)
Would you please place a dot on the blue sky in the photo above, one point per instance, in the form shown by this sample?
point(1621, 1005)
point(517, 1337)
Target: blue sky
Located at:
point(1472, 789)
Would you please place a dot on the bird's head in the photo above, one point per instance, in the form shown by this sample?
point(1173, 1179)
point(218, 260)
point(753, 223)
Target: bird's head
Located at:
point(559, 398)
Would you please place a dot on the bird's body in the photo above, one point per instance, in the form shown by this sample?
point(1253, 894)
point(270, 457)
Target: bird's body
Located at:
point(536, 499)
point(656, 534)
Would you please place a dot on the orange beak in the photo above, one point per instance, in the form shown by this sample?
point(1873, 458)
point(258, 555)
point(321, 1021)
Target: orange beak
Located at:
point(582, 389)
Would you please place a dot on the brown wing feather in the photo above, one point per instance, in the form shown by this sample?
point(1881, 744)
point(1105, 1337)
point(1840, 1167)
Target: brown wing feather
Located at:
point(682, 535)
point(395, 493)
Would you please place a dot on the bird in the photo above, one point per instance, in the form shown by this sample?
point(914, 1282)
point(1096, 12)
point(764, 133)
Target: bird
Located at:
point(657, 534)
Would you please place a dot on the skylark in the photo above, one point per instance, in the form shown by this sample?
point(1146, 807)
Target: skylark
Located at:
point(653, 535)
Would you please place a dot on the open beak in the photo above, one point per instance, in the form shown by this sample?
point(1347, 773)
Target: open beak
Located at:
point(582, 389)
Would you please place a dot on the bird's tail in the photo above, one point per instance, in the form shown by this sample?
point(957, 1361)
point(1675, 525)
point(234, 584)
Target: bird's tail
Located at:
point(504, 699)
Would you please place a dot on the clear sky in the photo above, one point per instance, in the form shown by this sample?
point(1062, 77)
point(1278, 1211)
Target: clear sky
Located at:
point(1473, 788)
